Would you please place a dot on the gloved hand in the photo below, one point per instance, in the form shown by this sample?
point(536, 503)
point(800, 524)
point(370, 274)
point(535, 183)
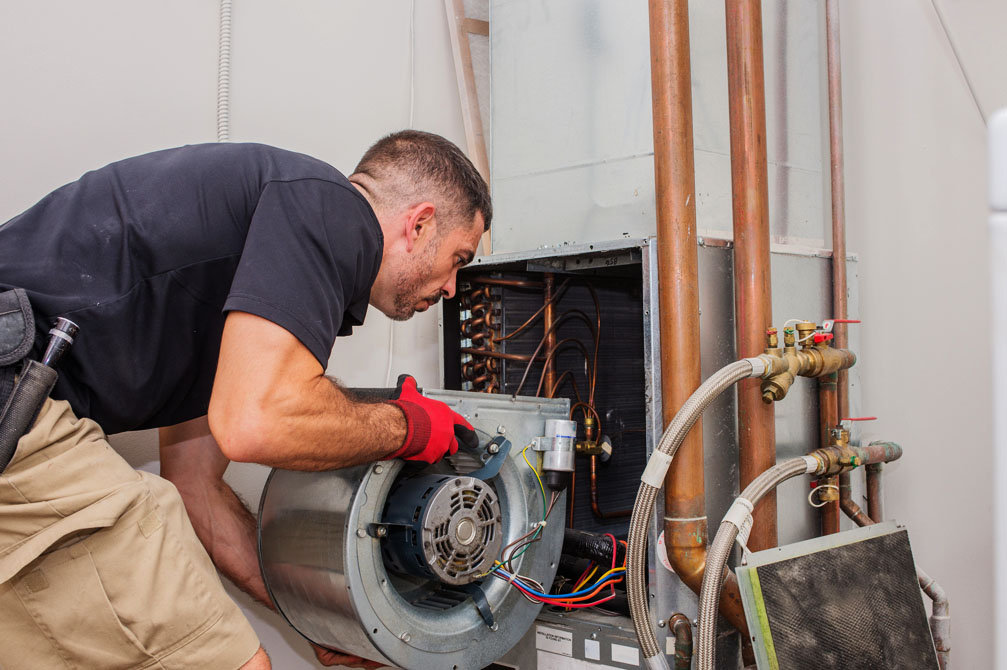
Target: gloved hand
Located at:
point(432, 428)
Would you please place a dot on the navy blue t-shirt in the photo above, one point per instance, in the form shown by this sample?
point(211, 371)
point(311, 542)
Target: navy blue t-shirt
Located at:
point(148, 254)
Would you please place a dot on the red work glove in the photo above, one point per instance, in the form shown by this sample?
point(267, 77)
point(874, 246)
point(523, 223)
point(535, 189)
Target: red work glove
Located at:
point(432, 428)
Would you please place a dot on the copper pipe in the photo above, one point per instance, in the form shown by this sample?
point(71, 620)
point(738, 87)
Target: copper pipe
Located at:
point(549, 372)
point(495, 354)
point(514, 283)
point(752, 295)
point(678, 279)
point(838, 185)
point(595, 507)
point(682, 628)
point(851, 508)
point(874, 506)
point(827, 419)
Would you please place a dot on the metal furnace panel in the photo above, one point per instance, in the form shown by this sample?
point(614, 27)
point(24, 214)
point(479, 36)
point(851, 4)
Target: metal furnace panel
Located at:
point(572, 146)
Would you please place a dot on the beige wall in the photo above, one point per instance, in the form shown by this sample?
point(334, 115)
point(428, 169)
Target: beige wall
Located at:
point(917, 211)
point(87, 83)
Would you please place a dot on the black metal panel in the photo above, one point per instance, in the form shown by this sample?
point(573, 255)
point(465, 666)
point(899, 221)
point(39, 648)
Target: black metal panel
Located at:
point(851, 607)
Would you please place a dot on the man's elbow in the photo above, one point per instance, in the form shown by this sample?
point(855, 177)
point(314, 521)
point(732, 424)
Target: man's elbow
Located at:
point(241, 436)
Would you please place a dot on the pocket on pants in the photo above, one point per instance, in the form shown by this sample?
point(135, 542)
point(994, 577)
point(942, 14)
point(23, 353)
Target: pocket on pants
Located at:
point(160, 593)
point(65, 597)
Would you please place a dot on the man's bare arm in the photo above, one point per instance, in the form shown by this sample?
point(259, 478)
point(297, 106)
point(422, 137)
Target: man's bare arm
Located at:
point(272, 404)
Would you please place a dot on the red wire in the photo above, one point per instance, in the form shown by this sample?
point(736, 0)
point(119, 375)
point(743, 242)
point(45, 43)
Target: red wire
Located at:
point(615, 552)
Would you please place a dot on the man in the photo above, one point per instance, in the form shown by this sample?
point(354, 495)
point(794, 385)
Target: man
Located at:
point(209, 283)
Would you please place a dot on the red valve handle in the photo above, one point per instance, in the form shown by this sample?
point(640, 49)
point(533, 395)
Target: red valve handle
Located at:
point(822, 337)
point(861, 418)
point(845, 320)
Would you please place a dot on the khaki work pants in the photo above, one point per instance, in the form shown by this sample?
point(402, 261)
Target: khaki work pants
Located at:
point(99, 565)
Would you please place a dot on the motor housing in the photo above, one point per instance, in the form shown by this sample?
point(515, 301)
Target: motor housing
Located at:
point(344, 558)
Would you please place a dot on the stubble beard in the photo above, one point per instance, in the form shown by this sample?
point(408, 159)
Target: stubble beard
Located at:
point(409, 287)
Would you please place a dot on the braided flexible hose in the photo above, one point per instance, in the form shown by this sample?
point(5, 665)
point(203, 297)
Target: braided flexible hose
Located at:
point(643, 508)
point(720, 550)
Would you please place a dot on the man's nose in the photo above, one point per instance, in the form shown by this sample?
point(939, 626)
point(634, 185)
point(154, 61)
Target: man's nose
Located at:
point(448, 290)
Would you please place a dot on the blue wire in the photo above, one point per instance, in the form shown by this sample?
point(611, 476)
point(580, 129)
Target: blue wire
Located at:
point(615, 575)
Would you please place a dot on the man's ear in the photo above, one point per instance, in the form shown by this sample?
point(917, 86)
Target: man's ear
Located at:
point(419, 223)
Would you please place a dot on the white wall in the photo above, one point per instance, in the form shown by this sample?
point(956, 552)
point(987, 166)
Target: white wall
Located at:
point(85, 84)
point(917, 212)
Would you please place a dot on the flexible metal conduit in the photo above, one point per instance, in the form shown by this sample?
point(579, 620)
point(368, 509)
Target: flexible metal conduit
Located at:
point(653, 476)
point(720, 550)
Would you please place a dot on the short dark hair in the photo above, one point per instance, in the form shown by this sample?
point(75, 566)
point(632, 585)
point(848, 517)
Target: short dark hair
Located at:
point(410, 163)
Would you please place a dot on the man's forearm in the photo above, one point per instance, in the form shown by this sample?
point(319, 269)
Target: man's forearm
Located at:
point(227, 530)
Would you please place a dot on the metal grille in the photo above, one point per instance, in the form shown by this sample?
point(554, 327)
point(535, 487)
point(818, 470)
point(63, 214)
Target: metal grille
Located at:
point(850, 607)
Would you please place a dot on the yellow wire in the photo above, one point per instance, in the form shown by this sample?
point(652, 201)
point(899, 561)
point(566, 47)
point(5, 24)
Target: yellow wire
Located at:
point(540, 484)
point(576, 587)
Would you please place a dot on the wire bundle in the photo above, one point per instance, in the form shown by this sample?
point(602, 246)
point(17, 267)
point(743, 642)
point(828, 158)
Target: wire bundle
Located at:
point(584, 589)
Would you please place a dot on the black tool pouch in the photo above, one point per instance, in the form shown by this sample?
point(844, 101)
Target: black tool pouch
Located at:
point(24, 384)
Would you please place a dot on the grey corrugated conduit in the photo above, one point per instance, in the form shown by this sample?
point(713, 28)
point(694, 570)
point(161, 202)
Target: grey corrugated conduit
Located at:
point(652, 482)
point(224, 73)
point(737, 520)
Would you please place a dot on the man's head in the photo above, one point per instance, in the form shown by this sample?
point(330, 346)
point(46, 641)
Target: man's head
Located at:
point(433, 207)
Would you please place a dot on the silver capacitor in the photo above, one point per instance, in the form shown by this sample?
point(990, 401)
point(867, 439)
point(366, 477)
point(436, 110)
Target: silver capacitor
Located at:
point(559, 450)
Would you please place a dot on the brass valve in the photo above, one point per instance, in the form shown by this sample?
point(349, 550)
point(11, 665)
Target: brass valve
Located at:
point(840, 457)
point(815, 359)
point(590, 446)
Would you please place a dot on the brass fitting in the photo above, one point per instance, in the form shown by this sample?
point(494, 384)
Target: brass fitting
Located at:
point(829, 489)
point(815, 359)
point(772, 340)
point(601, 448)
point(840, 457)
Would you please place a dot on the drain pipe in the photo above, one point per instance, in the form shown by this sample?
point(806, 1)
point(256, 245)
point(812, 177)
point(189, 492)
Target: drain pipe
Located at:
point(685, 530)
point(752, 294)
point(940, 615)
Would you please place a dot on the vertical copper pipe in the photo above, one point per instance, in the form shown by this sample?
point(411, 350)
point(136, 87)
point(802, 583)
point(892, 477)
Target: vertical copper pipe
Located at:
point(828, 418)
point(752, 294)
point(838, 185)
point(550, 339)
point(678, 277)
point(874, 508)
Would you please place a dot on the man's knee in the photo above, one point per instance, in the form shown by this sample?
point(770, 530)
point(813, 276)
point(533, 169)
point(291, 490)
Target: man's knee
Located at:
point(258, 662)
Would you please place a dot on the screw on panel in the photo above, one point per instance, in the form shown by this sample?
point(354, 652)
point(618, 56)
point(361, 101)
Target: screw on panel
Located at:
point(381, 531)
point(493, 448)
point(378, 469)
point(495, 627)
point(594, 636)
point(502, 429)
point(661, 623)
point(404, 637)
point(361, 532)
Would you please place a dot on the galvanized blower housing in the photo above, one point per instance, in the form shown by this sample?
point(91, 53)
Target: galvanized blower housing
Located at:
point(387, 561)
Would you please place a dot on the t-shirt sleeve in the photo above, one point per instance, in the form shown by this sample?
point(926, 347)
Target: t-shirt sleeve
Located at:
point(311, 254)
